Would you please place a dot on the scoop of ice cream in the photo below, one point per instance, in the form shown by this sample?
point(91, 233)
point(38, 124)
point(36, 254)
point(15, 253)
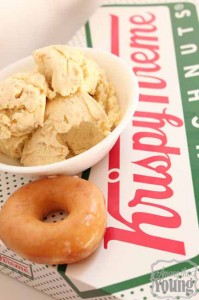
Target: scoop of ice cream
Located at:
point(13, 146)
point(44, 147)
point(66, 69)
point(73, 123)
point(80, 120)
point(22, 108)
point(62, 68)
point(67, 112)
point(22, 104)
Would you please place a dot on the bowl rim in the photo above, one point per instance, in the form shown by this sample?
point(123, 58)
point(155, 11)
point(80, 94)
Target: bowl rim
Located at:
point(134, 96)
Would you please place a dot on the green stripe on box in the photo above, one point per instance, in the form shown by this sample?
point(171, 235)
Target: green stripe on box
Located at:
point(88, 35)
point(190, 109)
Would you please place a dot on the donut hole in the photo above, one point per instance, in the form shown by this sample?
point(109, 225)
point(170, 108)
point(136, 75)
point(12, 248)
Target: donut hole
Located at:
point(55, 216)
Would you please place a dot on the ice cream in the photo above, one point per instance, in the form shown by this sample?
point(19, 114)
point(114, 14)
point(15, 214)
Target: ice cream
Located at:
point(44, 147)
point(67, 71)
point(77, 123)
point(66, 107)
point(22, 108)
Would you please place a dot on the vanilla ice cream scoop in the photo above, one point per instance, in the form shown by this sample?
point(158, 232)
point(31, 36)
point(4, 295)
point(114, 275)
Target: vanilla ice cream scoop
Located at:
point(44, 147)
point(13, 146)
point(22, 104)
point(66, 112)
point(67, 70)
point(22, 108)
point(62, 68)
point(80, 120)
point(74, 124)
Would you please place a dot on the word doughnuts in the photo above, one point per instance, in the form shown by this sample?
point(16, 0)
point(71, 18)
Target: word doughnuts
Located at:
point(23, 230)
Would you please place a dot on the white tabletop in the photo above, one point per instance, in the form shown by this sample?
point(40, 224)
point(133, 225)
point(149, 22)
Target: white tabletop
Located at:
point(25, 26)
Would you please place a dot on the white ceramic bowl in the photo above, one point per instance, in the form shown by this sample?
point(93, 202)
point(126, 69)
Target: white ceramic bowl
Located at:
point(126, 86)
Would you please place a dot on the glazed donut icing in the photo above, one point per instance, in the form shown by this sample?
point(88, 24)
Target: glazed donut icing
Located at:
point(23, 230)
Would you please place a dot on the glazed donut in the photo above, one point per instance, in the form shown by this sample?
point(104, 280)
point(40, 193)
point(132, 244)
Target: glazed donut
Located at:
point(22, 228)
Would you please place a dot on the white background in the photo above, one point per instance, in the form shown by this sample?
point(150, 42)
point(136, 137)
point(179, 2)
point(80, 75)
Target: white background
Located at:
point(28, 24)
point(24, 26)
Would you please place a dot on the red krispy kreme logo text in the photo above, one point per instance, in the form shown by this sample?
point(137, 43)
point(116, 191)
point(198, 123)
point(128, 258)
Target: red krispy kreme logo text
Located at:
point(151, 140)
point(14, 264)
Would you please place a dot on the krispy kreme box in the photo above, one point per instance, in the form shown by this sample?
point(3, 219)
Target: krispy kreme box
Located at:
point(150, 178)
